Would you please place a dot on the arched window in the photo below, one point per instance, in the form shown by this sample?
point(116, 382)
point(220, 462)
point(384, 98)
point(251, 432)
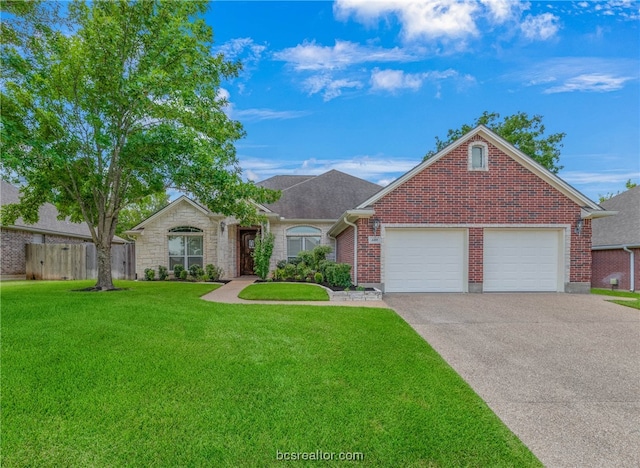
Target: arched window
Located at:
point(478, 155)
point(185, 246)
point(301, 238)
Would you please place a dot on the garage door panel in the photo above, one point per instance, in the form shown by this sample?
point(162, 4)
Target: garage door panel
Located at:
point(424, 260)
point(521, 260)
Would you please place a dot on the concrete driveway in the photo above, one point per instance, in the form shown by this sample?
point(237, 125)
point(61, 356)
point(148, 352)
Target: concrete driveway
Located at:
point(561, 370)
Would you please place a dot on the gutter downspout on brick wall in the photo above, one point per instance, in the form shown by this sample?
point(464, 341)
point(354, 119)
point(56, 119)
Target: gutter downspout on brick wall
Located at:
point(355, 249)
point(632, 270)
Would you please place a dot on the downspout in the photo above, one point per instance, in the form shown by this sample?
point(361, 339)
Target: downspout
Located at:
point(632, 264)
point(355, 249)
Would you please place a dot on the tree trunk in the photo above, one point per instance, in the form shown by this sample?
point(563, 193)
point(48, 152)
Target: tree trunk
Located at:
point(105, 281)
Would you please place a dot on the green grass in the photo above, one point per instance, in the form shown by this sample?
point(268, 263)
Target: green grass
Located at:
point(633, 295)
point(284, 292)
point(154, 376)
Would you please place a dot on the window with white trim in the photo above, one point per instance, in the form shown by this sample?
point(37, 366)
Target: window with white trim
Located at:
point(186, 247)
point(478, 155)
point(301, 238)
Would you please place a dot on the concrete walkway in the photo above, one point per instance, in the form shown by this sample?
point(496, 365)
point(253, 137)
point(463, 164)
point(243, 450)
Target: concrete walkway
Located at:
point(228, 294)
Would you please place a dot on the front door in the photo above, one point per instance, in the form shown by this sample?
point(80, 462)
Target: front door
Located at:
point(247, 244)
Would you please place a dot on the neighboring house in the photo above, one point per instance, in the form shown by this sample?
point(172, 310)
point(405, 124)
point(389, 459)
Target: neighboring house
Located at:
point(616, 243)
point(187, 233)
point(478, 216)
point(48, 230)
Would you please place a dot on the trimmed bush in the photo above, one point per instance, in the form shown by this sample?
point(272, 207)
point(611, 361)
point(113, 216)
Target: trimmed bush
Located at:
point(338, 275)
point(183, 274)
point(149, 274)
point(318, 277)
point(213, 272)
point(163, 273)
point(177, 270)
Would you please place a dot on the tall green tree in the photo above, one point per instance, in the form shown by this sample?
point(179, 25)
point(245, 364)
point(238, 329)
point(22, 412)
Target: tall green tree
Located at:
point(135, 213)
point(117, 101)
point(524, 132)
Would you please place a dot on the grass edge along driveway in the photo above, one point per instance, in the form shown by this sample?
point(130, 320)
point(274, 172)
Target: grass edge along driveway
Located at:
point(627, 298)
point(153, 375)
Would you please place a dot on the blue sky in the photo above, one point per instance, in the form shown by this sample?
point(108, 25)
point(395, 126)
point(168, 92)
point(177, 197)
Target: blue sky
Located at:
point(365, 86)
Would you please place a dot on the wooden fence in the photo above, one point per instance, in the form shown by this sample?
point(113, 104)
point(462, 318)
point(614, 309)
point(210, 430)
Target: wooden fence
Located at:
point(76, 261)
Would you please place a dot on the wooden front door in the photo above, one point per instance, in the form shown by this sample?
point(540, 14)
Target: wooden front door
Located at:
point(247, 244)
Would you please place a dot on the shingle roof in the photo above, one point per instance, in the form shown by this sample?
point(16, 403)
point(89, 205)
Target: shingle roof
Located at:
point(48, 221)
point(325, 196)
point(623, 228)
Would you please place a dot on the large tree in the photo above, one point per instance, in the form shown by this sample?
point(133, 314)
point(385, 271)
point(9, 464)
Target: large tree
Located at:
point(524, 132)
point(116, 101)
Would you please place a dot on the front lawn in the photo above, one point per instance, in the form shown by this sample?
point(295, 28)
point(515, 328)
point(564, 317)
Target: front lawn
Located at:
point(155, 376)
point(615, 293)
point(284, 292)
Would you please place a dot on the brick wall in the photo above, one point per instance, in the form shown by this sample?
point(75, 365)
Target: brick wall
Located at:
point(12, 250)
point(608, 264)
point(448, 193)
point(344, 247)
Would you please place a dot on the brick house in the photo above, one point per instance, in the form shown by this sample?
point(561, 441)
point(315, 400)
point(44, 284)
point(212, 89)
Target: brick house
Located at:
point(478, 216)
point(616, 243)
point(48, 230)
point(187, 233)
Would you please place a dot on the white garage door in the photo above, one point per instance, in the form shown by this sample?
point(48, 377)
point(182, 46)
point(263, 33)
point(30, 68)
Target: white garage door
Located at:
point(424, 260)
point(521, 260)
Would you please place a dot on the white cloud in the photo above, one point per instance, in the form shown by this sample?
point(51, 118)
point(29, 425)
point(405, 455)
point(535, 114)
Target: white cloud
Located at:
point(540, 27)
point(595, 82)
point(394, 80)
point(569, 74)
point(267, 114)
point(243, 48)
point(329, 87)
point(581, 178)
point(313, 57)
point(378, 169)
point(452, 22)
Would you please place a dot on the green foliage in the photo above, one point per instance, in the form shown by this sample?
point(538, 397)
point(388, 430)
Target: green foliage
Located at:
point(289, 271)
point(149, 274)
point(306, 257)
point(163, 273)
point(262, 255)
point(338, 275)
point(628, 185)
point(196, 271)
point(318, 277)
point(177, 270)
point(281, 264)
point(213, 272)
point(283, 292)
point(320, 254)
point(134, 213)
point(183, 274)
point(524, 132)
point(114, 104)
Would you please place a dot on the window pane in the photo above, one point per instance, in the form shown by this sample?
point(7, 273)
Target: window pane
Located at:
point(311, 242)
point(294, 245)
point(477, 161)
point(194, 245)
point(176, 245)
point(194, 261)
point(173, 261)
point(303, 230)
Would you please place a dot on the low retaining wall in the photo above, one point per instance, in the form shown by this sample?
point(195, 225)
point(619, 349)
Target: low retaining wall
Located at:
point(342, 296)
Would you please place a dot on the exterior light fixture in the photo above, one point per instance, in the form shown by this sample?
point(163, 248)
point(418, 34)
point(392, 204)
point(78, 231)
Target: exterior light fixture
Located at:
point(579, 225)
point(222, 226)
point(376, 226)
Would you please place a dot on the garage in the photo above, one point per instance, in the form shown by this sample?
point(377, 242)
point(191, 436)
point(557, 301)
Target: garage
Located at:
point(522, 260)
point(424, 260)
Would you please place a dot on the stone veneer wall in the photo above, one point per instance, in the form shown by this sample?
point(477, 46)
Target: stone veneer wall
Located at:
point(152, 247)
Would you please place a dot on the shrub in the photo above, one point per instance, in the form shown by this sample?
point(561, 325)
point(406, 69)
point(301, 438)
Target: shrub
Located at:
point(320, 254)
point(338, 275)
point(177, 270)
point(149, 274)
point(306, 257)
point(262, 255)
point(213, 272)
point(183, 274)
point(163, 273)
point(318, 277)
point(196, 271)
point(281, 264)
point(289, 271)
